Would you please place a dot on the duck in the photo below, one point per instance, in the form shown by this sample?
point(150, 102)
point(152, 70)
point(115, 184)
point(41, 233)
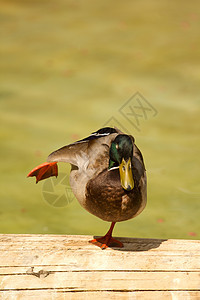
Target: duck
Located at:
point(108, 177)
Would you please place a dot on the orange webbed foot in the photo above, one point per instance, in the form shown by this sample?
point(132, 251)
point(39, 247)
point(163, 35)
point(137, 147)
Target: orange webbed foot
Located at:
point(44, 171)
point(106, 241)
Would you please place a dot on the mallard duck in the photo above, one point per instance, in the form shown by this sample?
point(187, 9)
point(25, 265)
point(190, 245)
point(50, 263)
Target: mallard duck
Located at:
point(107, 177)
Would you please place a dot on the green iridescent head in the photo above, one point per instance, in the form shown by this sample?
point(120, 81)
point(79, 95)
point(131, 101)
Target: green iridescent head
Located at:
point(121, 153)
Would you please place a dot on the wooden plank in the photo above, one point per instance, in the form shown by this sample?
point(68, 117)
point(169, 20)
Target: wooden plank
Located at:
point(68, 267)
point(77, 254)
point(102, 280)
point(56, 294)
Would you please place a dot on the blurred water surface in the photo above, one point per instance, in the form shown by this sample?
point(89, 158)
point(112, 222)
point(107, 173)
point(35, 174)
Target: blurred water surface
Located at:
point(67, 68)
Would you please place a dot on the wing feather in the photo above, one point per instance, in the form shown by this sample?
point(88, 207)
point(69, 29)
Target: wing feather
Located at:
point(87, 150)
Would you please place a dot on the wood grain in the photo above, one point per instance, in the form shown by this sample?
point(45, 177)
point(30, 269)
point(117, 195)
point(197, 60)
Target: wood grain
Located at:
point(68, 267)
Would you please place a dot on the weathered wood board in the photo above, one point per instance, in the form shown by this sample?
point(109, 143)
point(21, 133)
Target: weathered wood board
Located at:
point(68, 267)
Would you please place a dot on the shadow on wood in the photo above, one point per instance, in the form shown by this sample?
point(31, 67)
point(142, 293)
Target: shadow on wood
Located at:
point(135, 244)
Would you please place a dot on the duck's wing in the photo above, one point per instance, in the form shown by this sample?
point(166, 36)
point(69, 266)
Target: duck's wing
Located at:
point(91, 150)
point(68, 153)
point(90, 155)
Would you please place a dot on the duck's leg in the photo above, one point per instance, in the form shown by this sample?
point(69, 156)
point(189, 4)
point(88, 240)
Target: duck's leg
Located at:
point(107, 240)
point(44, 171)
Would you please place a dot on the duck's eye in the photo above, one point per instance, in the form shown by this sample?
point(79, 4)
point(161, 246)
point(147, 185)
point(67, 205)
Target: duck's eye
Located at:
point(123, 168)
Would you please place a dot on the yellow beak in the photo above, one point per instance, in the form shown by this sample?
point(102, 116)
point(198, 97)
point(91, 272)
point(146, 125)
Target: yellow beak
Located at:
point(126, 175)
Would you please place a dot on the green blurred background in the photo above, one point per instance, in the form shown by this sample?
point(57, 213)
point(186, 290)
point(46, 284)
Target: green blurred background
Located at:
point(67, 67)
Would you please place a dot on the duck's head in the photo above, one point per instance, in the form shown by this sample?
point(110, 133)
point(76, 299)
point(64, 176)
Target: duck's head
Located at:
point(121, 153)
